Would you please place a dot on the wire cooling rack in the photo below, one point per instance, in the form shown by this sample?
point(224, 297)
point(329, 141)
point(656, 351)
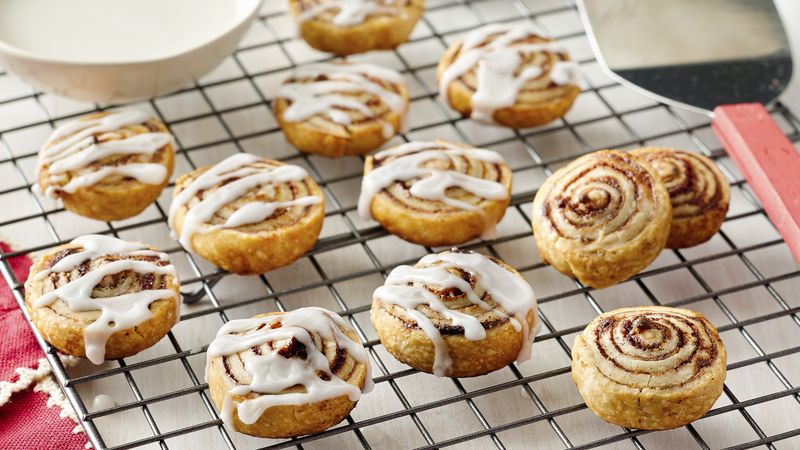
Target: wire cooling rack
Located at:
point(744, 279)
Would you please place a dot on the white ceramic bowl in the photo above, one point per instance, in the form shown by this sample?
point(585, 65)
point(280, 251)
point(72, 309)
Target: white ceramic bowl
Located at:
point(85, 65)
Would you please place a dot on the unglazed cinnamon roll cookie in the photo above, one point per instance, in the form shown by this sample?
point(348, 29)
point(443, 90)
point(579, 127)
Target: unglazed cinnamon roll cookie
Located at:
point(247, 215)
point(102, 298)
point(457, 314)
point(338, 109)
point(651, 367)
point(345, 27)
point(697, 189)
point(508, 75)
point(108, 165)
point(436, 193)
point(286, 374)
point(602, 218)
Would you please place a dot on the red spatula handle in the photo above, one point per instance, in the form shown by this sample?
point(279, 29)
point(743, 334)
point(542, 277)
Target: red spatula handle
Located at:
point(769, 162)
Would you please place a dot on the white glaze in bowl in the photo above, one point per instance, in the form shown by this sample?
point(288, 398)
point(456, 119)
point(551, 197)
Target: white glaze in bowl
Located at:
point(121, 51)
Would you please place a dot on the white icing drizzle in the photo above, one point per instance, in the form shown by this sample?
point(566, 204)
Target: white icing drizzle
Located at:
point(498, 84)
point(246, 179)
point(433, 183)
point(514, 294)
point(272, 373)
point(565, 72)
point(144, 172)
point(351, 12)
point(72, 148)
point(323, 97)
point(103, 401)
point(118, 313)
point(255, 212)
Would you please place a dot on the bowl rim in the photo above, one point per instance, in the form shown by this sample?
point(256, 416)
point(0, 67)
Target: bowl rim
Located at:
point(252, 7)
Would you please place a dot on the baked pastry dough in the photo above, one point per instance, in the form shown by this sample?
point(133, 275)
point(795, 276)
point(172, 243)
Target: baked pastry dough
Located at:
point(286, 374)
point(651, 367)
point(602, 218)
point(102, 298)
point(436, 193)
point(247, 215)
point(458, 314)
point(508, 75)
point(339, 109)
point(345, 27)
point(697, 189)
point(108, 165)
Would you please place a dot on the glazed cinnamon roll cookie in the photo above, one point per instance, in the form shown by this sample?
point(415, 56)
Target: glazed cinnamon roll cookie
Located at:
point(602, 218)
point(102, 298)
point(339, 109)
point(107, 165)
point(436, 193)
point(287, 374)
point(246, 214)
point(652, 368)
point(345, 27)
point(508, 75)
point(457, 314)
point(697, 189)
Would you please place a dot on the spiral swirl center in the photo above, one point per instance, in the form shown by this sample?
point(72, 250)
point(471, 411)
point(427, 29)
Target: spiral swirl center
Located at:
point(671, 173)
point(593, 200)
point(646, 333)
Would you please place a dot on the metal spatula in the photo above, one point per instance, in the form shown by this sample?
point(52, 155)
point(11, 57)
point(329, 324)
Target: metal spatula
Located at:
point(724, 58)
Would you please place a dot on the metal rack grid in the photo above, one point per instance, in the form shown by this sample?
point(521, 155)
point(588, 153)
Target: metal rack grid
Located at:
point(614, 117)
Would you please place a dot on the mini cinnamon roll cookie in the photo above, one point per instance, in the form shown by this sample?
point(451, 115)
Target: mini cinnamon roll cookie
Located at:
point(340, 109)
point(102, 298)
point(287, 374)
point(650, 367)
point(697, 189)
point(602, 218)
point(107, 165)
point(246, 214)
point(457, 314)
point(508, 75)
point(436, 193)
point(345, 27)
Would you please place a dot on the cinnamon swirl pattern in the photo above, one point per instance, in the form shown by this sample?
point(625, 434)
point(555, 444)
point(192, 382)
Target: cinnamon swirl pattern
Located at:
point(108, 165)
point(246, 214)
point(286, 374)
point(651, 368)
point(455, 313)
point(345, 27)
point(101, 298)
point(697, 189)
point(508, 75)
point(436, 193)
point(602, 218)
point(337, 109)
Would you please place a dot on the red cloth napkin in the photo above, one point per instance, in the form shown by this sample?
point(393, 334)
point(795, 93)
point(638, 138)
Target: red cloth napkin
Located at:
point(27, 422)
